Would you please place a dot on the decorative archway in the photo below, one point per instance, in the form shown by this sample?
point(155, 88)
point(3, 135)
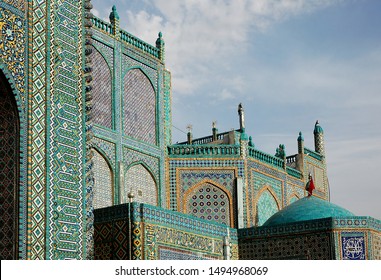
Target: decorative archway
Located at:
point(139, 107)
point(141, 183)
point(266, 206)
point(103, 181)
point(210, 202)
point(9, 171)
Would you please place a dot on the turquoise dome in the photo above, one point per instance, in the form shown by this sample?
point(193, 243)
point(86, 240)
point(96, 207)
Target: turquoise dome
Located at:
point(307, 208)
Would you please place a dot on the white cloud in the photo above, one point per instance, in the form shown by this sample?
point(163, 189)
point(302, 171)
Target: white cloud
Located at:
point(209, 32)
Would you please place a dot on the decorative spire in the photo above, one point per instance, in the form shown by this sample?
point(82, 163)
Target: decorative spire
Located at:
point(114, 20)
point(241, 114)
point(189, 128)
point(251, 144)
point(319, 139)
point(214, 131)
point(114, 14)
point(160, 45)
point(301, 143)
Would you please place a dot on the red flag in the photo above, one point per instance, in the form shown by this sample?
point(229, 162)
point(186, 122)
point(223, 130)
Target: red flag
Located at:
point(310, 186)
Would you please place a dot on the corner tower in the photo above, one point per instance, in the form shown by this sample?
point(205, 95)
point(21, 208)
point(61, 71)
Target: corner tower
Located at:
point(319, 139)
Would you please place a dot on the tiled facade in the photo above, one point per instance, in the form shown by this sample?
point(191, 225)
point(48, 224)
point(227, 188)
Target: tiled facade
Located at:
point(86, 120)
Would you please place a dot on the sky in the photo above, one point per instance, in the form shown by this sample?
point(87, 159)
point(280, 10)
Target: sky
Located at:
point(290, 63)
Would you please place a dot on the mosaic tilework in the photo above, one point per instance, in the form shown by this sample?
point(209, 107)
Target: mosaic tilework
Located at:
point(208, 202)
point(37, 133)
point(9, 172)
point(307, 246)
point(107, 148)
point(103, 182)
point(12, 47)
point(353, 246)
point(66, 150)
point(102, 95)
point(376, 246)
point(200, 165)
point(155, 229)
point(135, 59)
point(167, 108)
point(139, 181)
point(131, 156)
point(139, 107)
point(176, 254)
point(258, 182)
point(19, 4)
point(111, 241)
point(106, 51)
point(318, 177)
point(266, 207)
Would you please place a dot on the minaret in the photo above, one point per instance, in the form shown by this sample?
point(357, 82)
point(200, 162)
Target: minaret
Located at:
point(319, 139)
point(300, 155)
point(241, 114)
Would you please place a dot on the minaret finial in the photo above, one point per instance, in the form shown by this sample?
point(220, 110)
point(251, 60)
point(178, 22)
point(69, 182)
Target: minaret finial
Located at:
point(241, 114)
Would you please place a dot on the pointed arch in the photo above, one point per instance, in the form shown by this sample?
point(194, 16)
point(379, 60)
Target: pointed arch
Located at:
point(103, 181)
point(266, 205)
point(101, 90)
point(139, 106)
point(9, 170)
point(210, 201)
point(140, 181)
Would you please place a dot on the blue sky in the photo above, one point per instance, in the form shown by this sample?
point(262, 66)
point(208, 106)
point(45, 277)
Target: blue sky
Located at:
point(290, 63)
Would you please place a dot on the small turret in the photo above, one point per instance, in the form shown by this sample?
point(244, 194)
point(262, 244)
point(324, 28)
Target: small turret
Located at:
point(300, 143)
point(319, 139)
point(114, 20)
point(160, 45)
point(189, 134)
point(214, 131)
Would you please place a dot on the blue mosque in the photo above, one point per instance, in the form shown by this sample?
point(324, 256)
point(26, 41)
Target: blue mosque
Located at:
point(89, 170)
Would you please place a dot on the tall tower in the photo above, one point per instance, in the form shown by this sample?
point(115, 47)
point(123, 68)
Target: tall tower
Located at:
point(319, 139)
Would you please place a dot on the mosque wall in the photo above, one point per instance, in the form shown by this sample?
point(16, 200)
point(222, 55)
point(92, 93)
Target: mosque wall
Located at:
point(159, 234)
point(131, 97)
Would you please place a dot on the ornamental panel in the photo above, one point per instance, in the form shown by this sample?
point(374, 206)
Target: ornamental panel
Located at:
point(139, 181)
point(103, 179)
point(9, 171)
point(102, 94)
point(210, 203)
point(139, 107)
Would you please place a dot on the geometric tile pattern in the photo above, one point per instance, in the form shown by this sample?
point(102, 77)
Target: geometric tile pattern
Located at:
point(208, 202)
point(103, 182)
point(139, 181)
point(107, 148)
point(9, 172)
point(131, 157)
point(185, 173)
point(139, 107)
point(102, 95)
point(258, 183)
point(266, 207)
point(37, 107)
point(177, 254)
point(376, 241)
point(315, 246)
point(19, 4)
point(66, 215)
